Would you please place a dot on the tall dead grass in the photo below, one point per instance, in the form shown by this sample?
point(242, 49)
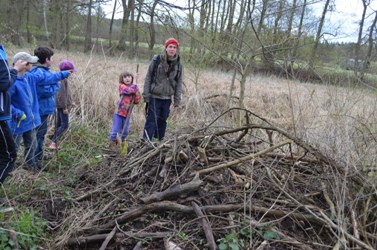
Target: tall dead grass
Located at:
point(341, 121)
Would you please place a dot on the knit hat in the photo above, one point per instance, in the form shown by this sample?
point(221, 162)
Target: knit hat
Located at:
point(67, 65)
point(25, 57)
point(171, 41)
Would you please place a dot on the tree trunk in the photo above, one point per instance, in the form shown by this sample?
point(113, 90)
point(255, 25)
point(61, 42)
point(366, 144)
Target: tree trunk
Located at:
point(56, 23)
point(17, 14)
point(262, 15)
point(297, 39)
point(45, 20)
point(126, 16)
point(88, 34)
point(191, 21)
point(131, 6)
point(152, 31)
point(98, 23)
point(357, 66)
point(28, 33)
point(67, 24)
point(313, 56)
point(370, 45)
point(139, 12)
point(111, 25)
point(202, 26)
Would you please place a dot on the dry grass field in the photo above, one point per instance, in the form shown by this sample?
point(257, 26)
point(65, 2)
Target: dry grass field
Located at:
point(341, 121)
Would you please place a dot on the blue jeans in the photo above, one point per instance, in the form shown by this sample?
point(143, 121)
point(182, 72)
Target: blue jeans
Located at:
point(30, 142)
point(62, 123)
point(41, 133)
point(157, 115)
point(118, 127)
point(8, 151)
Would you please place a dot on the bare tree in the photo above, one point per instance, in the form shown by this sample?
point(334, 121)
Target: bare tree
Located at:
point(139, 12)
point(297, 38)
point(359, 65)
point(111, 24)
point(372, 30)
point(318, 36)
point(152, 31)
point(126, 17)
point(17, 9)
point(68, 11)
point(132, 51)
point(88, 33)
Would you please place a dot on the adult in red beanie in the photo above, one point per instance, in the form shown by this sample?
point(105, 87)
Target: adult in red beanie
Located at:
point(172, 41)
point(162, 86)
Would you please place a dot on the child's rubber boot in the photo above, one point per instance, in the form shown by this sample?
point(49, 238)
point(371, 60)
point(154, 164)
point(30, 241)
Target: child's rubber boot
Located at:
point(123, 148)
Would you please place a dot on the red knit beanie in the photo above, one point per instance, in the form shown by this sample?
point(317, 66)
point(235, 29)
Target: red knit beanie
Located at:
point(171, 41)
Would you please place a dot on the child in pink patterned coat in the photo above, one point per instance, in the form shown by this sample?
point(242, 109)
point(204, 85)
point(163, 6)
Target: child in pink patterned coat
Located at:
point(129, 93)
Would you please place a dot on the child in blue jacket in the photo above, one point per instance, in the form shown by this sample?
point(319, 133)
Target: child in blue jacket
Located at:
point(47, 88)
point(25, 108)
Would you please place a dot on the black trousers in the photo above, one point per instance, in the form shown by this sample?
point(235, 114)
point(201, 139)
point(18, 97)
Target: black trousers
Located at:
point(8, 152)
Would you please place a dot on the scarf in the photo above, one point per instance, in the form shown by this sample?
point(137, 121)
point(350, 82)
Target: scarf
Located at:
point(169, 62)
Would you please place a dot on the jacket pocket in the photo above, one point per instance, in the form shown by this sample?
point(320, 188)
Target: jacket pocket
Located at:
point(162, 89)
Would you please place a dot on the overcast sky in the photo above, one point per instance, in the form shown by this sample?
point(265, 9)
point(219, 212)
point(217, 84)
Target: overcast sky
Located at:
point(342, 22)
point(346, 16)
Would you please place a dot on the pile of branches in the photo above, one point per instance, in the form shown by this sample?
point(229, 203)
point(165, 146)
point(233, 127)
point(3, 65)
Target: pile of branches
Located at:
point(253, 186)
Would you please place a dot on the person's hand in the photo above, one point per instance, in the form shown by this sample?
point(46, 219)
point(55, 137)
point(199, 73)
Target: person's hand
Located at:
point(65, 111)
point(23, 117)
point(74, 105)
point(20, 65)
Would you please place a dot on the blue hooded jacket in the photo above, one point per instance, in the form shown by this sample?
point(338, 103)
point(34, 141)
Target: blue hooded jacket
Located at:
point(47, 87)
point(24, 100)
point(7, 78)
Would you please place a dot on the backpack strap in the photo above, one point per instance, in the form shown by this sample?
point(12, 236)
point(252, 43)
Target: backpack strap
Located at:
point(156, 60)
point(178, 71)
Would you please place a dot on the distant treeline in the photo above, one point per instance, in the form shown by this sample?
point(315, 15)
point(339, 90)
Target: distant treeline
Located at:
point(235, 34)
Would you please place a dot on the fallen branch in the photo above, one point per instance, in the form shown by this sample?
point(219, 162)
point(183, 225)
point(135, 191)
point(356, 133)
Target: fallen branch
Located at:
point(108, 238)
point(242, 159)
point(174, 191)
point(206, 227)
point(100, 237)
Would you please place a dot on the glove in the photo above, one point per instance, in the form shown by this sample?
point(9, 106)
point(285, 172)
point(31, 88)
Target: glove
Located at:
point(23, 117)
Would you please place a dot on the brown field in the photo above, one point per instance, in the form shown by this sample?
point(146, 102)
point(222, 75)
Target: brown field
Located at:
point(341, 121)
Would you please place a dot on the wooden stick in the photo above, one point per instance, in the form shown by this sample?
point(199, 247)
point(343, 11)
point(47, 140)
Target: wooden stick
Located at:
point(101, 237)
point(174, 191)
point(108, 238)
point(242, 159)
point(206, 227)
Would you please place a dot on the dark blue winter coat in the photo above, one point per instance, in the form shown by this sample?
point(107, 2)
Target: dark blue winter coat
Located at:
point(7, 78)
